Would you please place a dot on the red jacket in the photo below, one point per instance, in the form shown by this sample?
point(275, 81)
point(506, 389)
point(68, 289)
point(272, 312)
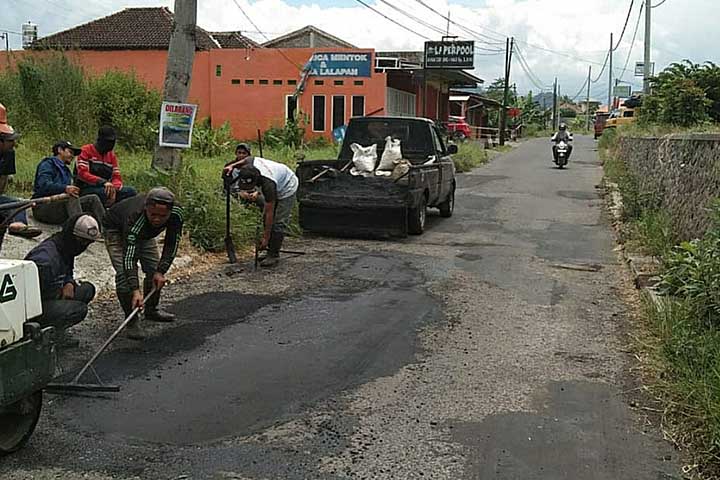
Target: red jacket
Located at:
point(95, 169)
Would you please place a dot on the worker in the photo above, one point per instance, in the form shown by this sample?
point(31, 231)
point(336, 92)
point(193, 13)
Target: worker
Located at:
point(277, 184)
point(98, 172)
point(18, 225)
point(53, 177)
point(64, 300)
point(130, 228)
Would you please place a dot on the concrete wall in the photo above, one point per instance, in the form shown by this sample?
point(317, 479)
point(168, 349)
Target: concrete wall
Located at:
point(681, 173)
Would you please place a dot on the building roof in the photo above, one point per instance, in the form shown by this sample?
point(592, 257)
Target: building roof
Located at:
point(145, 28)
point(308, 37)
point(233, 40)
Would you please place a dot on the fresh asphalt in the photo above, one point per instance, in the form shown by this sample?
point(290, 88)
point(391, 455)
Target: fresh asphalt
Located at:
point(491, 347)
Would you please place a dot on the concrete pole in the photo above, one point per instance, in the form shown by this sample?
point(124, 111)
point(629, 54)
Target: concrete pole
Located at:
point(587, 100)
point(610, 75)
point(503, 114)
point(647, 71)
point(178, 73)
point(554, 106)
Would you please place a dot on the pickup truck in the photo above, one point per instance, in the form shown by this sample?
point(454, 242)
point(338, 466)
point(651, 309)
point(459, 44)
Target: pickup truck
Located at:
point(332, 201)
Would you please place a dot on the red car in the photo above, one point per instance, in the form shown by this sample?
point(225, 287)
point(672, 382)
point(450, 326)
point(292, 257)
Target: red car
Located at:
point(458, 128)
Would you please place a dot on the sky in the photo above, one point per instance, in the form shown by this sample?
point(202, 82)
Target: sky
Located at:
point(554, 38)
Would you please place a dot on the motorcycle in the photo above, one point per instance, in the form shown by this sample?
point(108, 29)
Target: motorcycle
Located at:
point(561, 153)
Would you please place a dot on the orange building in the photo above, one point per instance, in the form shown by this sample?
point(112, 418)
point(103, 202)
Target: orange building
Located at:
point(255, 86)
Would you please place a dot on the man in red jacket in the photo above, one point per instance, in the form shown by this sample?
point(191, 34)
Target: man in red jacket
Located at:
point(98, 172)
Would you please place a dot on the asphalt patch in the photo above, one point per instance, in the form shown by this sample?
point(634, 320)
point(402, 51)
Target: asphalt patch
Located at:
point(579, 194)
point(578, 430)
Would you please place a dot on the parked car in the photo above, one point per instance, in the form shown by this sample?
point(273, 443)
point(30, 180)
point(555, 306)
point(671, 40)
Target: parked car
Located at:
point(458, 128)
point(334, 202)
point(599, 124)
point(621, 116)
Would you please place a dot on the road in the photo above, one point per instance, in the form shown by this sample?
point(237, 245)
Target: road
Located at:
point(491, 347)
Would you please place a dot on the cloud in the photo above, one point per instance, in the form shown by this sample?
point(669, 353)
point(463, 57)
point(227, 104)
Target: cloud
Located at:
point(557, 39)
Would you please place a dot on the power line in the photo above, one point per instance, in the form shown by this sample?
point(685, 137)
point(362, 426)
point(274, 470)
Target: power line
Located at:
point(492, 41)
point(414, 18)
point(297, 65)
point(391, 20)
point(607, 57)
point(632, 43)
point(655, 6)
point(627, 19)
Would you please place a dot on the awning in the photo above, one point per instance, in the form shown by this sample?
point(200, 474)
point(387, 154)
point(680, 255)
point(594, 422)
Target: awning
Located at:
point(454, 78)
point(459, 98)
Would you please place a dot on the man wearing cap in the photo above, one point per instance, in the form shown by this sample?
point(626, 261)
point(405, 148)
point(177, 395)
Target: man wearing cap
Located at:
point(130, 230)
point(98, 172)
point(64, 300)
point(277, 184)
point(8, 136)
point(53, 177)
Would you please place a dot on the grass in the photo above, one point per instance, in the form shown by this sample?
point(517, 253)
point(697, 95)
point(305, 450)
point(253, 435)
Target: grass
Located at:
point(470, 155)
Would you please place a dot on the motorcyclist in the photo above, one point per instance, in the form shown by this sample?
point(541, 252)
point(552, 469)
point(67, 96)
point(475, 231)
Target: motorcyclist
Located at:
point(562, 135)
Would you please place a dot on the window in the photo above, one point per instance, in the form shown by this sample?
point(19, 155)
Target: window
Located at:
point(319, 82)
point(235, 81)
point(292, 82)
point(438, 143)
point(218, 70)
point(264, 82)
point(290, 107)
point(277, 82)
point(249, 82)
point(338, 111)
point(318, 113)
point(629, 113)
point(338, 82)
point(358, 82)
point(358, 106)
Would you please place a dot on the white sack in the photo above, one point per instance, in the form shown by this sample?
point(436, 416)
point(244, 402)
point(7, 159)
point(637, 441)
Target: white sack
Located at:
point(391, 155)
point(364, 158)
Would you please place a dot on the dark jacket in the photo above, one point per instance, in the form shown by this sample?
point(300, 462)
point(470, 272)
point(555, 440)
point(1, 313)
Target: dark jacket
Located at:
point(128, 217)
point(55, 259)
point(51, 177)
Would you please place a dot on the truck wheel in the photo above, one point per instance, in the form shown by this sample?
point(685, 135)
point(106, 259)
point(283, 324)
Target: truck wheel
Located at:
point(18, 421)
point(447, 207)
point(417, 216)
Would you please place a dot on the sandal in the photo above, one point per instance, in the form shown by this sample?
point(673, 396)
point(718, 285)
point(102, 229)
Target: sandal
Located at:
point(26, 232)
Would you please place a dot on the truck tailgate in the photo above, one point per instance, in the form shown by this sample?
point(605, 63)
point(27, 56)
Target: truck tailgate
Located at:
point(354, 206)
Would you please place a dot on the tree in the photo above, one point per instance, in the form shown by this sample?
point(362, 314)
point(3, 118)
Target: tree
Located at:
point(684, 94)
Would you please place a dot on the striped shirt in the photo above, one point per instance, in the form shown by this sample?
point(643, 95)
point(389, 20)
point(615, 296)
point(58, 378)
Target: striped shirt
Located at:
point(129, 218)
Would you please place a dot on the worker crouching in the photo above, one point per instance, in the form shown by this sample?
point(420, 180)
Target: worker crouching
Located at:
point(130, 229)
point(64, 300)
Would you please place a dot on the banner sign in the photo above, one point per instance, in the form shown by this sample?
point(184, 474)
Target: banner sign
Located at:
point(640, 69)
point(622, 91)
point(176, 124)
point(340, 64)
point(454, 54)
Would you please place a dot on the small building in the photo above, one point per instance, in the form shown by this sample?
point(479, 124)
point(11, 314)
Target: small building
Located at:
point(308, 74)
point(475, 108)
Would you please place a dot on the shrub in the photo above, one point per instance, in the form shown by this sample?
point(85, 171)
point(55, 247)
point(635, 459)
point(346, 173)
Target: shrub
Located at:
point(210, 142)
point(470, 155)
point(121, 100)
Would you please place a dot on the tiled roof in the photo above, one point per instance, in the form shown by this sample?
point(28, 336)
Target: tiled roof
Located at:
point(233, 40)
point(289, 40)
point(129, 29)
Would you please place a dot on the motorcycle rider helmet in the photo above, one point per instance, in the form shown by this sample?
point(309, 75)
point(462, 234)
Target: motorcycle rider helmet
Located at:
point(563, 127)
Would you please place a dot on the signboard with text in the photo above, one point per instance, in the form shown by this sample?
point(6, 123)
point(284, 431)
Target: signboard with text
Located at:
point(452, 54)
point(340, 64)
point(176, 124)
point(640, 69)
point(622, 91)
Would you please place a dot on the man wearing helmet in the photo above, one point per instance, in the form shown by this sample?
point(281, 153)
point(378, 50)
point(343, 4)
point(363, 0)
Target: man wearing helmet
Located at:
point(562, 135)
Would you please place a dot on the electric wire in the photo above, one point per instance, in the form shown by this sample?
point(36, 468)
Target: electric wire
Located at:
point(632, 43)
point(489, 39)
point(627, 19)
point(391, 20)
point(655, 6)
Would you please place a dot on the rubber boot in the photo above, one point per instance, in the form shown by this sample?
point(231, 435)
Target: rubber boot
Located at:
point(152, 312)
point(274, 246)
point(134, 330)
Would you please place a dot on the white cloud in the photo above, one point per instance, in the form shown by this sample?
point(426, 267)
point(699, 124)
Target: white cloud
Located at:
point(580, 28)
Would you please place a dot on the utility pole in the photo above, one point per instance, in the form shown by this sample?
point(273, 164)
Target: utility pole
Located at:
point(587, 100)
point(647, 72)
point(509, 44)
point(448, 24)
point(6, 36)
point(178, 73)
point(554, 107)
point(610, 75)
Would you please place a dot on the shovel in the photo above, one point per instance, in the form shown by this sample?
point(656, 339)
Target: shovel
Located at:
point(229, 245)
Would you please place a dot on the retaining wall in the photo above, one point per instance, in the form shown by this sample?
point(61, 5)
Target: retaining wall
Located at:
point(681, 173)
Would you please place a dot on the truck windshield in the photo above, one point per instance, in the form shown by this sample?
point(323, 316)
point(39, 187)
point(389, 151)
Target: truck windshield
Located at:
point(414, 136)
